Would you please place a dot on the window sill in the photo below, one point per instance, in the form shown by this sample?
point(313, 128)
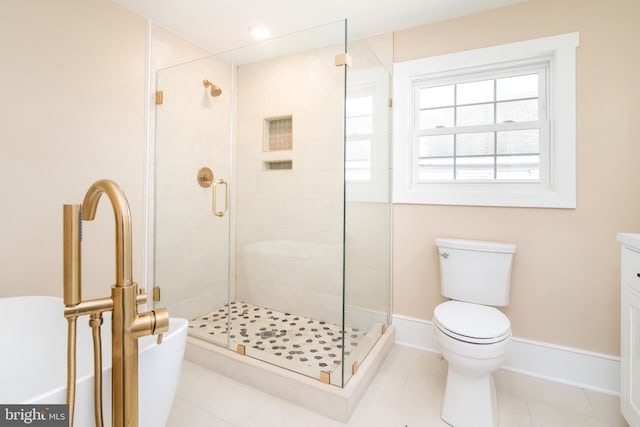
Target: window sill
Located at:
point(504, 198)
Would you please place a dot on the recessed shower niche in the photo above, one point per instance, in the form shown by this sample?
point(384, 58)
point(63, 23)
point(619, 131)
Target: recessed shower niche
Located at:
point(278, 133)
point(296, 272)
point(276, 165)
point(278, 137)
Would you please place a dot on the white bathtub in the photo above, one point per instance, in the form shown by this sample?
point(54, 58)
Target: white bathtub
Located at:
point(33, 361)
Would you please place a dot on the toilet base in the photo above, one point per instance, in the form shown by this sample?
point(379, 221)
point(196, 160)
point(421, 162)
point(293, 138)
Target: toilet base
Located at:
point(470, 401)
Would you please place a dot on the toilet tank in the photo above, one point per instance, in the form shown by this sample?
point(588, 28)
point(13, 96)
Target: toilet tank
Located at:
point(475, 271)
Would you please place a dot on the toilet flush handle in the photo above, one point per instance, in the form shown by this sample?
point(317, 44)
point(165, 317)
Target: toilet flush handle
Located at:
point(444, 255)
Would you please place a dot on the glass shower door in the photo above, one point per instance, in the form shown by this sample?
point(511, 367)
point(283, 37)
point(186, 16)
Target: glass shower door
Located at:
point(192, 165)
point(297, 275)
point(367, 290)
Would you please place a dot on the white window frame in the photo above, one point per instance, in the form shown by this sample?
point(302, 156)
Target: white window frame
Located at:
point(556, 189)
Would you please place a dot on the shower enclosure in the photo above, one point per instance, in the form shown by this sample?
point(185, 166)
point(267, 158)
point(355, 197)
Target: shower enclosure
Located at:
point(272, 211)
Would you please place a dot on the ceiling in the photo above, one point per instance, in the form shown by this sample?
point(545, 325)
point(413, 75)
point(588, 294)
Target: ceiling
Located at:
point(222, 25)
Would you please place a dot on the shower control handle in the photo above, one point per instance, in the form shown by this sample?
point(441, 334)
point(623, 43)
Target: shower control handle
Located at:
point(205, 177)
point(214, 197)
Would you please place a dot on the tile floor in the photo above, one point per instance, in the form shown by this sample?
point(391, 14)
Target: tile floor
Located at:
point(297, 343)
point(406, 392)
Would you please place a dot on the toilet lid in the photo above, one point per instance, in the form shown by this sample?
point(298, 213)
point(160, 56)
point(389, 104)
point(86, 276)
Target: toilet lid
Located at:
point(472, 322)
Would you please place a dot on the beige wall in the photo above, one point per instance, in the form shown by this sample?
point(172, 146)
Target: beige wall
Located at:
point(72, 81)
point(565, 287)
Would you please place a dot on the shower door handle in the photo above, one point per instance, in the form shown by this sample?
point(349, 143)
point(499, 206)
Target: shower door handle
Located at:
point(214, 202)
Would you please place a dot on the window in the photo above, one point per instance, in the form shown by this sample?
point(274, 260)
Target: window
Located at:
point(359, 119)
point(492, 127)
point(367, 137)
point(482, 129)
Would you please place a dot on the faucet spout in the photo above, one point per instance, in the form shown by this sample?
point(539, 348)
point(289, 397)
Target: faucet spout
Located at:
point(123, 224)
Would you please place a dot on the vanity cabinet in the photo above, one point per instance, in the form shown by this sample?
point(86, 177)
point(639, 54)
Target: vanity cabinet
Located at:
point(630, 328)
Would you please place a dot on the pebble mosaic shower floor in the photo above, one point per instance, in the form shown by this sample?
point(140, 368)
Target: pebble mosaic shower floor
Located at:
point(298, 343)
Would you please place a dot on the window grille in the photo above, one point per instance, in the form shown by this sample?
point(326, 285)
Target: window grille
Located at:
point(476, 128)
point(359, 134)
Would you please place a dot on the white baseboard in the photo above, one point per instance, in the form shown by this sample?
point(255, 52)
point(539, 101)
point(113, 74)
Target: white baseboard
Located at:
point(572, 366)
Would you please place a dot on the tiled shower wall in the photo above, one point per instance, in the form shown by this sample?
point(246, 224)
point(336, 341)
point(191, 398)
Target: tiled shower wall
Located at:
point(289, 222)
point(192, 256)
point(287, 225)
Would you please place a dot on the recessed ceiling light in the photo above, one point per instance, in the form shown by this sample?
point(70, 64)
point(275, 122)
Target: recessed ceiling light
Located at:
point(260, 33)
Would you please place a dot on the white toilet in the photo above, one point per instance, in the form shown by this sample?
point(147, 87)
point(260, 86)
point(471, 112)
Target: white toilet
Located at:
point(472, 336)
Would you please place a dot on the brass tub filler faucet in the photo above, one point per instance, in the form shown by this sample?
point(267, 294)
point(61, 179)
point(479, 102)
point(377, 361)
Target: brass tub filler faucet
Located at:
point(127, 325)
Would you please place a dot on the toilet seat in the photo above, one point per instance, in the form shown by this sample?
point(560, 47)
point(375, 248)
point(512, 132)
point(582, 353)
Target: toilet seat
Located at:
point(473, 323)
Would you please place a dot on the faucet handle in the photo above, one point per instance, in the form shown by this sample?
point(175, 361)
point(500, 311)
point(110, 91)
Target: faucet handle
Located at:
point(141, 297)
point(161, 322)
point(154, 322)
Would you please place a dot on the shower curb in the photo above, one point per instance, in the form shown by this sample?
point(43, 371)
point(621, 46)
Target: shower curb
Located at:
point(328, 400)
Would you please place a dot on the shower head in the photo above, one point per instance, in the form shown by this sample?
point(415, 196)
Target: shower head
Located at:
point(215, 90)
